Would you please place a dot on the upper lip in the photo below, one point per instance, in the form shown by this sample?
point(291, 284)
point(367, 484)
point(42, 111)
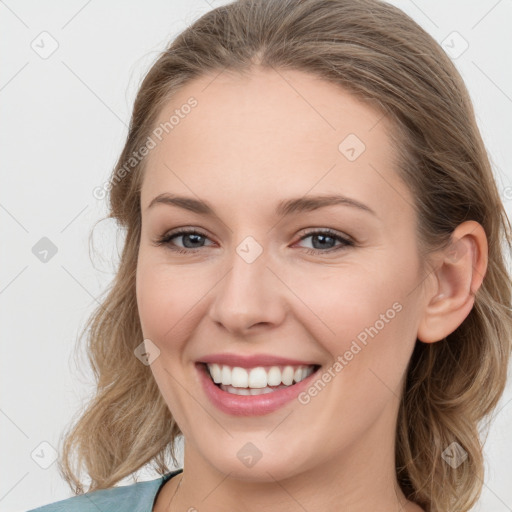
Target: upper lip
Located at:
point(250, 361)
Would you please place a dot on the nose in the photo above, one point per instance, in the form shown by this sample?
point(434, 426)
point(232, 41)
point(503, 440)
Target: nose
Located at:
point(249, 297)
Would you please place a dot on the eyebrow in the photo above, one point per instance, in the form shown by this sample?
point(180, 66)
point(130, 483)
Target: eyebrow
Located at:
point(286, 207)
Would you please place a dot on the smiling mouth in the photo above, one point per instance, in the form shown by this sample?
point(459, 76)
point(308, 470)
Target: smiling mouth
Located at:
point(258, 380)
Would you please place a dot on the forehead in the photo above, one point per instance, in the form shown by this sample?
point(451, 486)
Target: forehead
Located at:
point(271, 134)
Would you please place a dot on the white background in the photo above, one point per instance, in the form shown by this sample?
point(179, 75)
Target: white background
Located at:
point(63, 123)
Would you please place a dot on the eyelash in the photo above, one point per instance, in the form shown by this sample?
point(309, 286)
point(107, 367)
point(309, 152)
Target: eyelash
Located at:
point(166, 239)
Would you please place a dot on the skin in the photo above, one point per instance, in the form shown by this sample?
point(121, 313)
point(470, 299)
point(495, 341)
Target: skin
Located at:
point(250, 142)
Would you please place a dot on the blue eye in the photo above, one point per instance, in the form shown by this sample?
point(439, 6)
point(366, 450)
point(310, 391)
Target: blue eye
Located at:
point(324, 237)
point(184, 233)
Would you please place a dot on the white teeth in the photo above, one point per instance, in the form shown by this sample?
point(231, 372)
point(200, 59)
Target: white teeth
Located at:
point(239, 377)
point(274, 376)
point(258, 378)
point(246, 391)
point(287, 377)
point(216, 373)
point(226, 375)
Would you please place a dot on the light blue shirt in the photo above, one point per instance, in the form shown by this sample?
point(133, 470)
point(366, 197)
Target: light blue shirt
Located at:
point(138, 497)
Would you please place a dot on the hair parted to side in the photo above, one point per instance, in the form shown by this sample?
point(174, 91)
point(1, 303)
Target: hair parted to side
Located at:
point(375, 51)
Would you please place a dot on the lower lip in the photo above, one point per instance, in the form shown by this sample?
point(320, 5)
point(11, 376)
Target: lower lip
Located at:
point(249, 405)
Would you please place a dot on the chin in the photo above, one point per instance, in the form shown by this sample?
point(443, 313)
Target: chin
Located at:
point(265, 464)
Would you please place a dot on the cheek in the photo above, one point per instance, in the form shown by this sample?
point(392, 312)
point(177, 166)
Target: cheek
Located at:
point(168, 298)
point(370, 338)
point(344, 300)
point(365, 314)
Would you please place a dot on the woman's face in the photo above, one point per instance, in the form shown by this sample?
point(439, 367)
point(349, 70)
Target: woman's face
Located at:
point(263, 279)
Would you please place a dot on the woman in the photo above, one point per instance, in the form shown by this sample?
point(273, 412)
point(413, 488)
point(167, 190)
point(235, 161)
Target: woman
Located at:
point(313, 289)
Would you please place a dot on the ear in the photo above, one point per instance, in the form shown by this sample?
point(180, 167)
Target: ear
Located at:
point(458, 274)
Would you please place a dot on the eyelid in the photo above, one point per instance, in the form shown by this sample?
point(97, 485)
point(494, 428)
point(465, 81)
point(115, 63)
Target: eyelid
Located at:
point(329, 231)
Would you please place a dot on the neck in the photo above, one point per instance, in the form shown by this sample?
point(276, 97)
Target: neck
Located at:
point(361, 478)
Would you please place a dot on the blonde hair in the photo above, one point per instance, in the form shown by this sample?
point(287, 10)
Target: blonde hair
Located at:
point(379, 54)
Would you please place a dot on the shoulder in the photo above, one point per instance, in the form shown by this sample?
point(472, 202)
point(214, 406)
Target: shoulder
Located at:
point(137, 497)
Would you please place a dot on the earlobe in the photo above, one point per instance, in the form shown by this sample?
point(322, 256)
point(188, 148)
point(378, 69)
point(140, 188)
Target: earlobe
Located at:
point(458, 275)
